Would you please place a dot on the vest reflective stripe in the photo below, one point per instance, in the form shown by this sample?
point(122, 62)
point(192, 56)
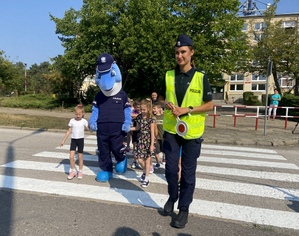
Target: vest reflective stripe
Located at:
point(193, 97)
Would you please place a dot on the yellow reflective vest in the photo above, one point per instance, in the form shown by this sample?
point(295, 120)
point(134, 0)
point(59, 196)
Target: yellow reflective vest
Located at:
point(193, 97)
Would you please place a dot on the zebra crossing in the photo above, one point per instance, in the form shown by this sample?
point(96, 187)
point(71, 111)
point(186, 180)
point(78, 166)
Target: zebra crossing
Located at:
point(226, 177)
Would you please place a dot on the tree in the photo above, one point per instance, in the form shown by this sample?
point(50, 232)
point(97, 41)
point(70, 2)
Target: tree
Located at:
point(141, 35)
point(36, 78)
point(11, 76)
point(280, 45)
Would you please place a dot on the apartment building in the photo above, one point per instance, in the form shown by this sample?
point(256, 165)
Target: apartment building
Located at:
point(238, 83)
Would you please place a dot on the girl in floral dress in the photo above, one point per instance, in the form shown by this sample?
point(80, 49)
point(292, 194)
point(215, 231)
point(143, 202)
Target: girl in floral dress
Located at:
point(145, 123)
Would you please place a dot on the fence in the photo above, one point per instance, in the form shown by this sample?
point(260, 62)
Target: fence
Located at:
point(248, 109)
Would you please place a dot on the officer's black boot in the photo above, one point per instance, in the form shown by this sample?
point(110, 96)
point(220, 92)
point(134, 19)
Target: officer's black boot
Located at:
point(168, 207)
point(181, 219)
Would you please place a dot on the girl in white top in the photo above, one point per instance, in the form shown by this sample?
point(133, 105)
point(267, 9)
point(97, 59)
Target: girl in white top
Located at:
point(77, 126)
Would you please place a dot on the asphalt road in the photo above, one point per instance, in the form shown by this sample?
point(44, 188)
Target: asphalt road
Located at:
point(36, 198)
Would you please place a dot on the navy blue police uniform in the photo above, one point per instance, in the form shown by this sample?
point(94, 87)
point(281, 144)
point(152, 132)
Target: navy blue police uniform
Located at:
point(191, 148)
point(109, 133)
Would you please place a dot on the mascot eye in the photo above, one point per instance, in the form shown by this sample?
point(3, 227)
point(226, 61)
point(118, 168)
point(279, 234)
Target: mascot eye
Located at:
point(113, 73)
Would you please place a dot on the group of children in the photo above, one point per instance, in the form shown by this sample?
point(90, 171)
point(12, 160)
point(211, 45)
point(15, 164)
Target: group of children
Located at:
point(146, 136)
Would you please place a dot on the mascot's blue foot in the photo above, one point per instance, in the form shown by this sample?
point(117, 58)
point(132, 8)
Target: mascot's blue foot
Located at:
point(121, 167)
point(104, 176)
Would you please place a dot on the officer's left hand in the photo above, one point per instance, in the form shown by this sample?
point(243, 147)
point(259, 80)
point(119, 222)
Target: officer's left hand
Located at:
point(178, 111)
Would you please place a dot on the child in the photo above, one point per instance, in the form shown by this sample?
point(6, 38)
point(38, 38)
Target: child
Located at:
point(77, 126)
point(135, 113)
point(145, 122)
point(158, 113)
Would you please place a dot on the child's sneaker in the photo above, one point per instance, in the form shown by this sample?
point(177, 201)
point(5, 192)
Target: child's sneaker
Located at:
point(72, 175)
point(80, 175)
point(157, 166)
point(134, 165)
point(151, 169)
point(145, 183)
point(142, 177)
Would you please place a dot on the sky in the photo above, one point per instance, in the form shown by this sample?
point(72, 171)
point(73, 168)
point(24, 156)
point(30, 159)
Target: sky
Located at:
point(28, 35)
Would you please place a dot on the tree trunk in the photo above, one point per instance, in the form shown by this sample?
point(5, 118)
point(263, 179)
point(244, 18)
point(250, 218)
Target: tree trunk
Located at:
point(274, 73)
point(296, 92)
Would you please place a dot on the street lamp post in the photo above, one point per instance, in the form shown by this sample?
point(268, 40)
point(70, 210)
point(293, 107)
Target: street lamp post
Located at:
point(25, 77)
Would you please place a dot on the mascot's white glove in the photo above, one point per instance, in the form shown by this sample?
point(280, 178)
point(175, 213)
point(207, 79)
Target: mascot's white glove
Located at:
point(94, 117)
point(128, 119)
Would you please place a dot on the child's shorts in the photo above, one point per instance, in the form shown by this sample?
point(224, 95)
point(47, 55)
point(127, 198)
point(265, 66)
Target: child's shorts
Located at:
point(159, 146)
point(77, 143)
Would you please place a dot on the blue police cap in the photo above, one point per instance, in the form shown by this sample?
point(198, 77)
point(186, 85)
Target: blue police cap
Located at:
point(183, 40)
point(104, 62)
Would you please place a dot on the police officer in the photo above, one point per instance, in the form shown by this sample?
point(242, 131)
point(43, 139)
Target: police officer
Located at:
point(188, 96)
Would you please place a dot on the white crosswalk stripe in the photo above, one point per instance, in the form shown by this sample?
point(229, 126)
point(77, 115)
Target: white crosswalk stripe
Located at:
point(268, 172)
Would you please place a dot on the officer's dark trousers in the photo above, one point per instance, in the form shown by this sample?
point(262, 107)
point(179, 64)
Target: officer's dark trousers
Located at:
point(190, 153)
point(110, 138)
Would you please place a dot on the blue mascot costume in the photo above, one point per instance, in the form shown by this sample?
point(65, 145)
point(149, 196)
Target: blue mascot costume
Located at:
point(110, 117)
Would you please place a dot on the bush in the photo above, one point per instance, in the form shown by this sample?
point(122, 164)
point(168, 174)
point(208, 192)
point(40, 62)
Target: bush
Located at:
point(247, 95)
point(289, 100)
point(250, 99)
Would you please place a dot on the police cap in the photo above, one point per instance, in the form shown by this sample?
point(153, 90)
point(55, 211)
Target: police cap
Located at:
point(183, 40)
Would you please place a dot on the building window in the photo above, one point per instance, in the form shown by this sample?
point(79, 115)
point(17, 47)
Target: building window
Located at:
point(236, 87)
point(258, 37)
point(257, 77)
point(237, 77)
point(286, 82)
point(245, 27)
point(258, 87)
point(288, 24)
point(259, 26)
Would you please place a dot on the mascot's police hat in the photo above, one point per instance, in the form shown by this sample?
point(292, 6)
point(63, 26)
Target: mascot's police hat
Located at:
point(184, 40)
point(104, 62)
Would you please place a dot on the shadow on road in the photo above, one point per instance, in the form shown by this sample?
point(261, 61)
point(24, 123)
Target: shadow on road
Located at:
point(7, 203)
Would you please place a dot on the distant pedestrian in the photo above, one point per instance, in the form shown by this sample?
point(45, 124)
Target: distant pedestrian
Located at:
point(189, 97)
point(145, 147)
point(154, 97)
point(76, 128)
point(274, 101)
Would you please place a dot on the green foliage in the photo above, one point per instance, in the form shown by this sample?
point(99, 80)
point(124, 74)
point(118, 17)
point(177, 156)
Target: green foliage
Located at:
point(30, 101)
point(279, 44)
point(250, 99)
point(36, 78)
point(289, 100)
point(42, 101)
point(11, 76)
point(90, 94)
point(141, 35)
point(247, 95)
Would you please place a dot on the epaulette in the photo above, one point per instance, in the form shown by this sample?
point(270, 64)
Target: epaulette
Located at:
point(199, 70)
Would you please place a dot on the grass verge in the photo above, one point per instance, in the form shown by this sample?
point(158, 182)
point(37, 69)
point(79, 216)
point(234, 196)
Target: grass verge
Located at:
point(39, 122)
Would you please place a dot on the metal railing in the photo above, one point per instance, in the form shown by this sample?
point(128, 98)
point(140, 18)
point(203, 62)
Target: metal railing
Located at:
point(257, 114)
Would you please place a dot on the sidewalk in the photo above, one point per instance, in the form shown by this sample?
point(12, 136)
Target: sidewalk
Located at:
point(224, 133)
